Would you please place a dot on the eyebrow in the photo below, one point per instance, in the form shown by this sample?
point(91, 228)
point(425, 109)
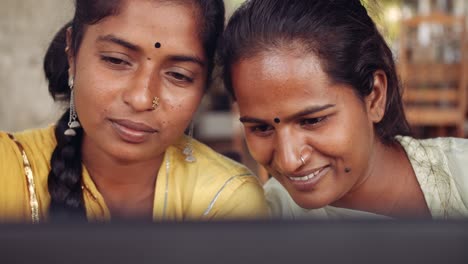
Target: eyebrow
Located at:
point(185, 58)
point(176, 58)
point(306, 111)
point(119, 41)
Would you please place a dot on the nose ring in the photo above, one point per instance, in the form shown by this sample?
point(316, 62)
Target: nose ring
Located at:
point(302, 159)
point(155, 102)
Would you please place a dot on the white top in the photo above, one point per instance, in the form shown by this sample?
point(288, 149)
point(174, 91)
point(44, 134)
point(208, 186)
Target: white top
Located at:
point(441, 168)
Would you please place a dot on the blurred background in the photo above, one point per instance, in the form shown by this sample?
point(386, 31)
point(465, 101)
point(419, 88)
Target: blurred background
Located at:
point(426, 36)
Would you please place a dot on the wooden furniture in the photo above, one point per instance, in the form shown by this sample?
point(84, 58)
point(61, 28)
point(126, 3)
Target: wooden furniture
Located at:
point(433, 72)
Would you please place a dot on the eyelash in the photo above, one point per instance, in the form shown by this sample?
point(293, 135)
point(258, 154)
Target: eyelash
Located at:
point(180, 77)
point(315, 121)
point(266, 130)
point(261, 130)
point(115, 61)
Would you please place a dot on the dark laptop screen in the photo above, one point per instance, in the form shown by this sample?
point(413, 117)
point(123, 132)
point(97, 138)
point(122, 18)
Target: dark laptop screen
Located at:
point(297, 242)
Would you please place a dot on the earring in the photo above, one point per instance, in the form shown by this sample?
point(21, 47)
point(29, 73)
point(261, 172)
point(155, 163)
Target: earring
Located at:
point(188, 150)
point(72, 121)
point(155, 102)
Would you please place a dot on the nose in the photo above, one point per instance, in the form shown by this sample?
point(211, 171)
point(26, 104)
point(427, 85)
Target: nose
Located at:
point(140, 95)
point(287, 154)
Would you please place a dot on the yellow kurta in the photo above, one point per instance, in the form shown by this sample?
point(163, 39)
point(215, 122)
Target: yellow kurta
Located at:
point(213, 187)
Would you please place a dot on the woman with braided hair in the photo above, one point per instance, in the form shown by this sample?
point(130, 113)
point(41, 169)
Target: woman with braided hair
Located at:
point(133, 74)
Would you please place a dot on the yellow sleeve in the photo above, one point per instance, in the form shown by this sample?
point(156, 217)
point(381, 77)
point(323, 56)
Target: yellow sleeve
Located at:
point(241, 199)
point(13, 191)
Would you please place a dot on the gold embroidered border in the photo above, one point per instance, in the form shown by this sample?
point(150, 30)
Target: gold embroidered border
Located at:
point(33, 202)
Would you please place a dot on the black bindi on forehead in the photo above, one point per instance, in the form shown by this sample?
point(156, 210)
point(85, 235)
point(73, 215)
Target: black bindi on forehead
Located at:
point(277, 120)
point(157, 45)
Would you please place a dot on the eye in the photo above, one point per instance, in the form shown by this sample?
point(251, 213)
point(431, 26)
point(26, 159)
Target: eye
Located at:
point(312, 121)
point(261, 130)
point(113, 61)
point(180, 77)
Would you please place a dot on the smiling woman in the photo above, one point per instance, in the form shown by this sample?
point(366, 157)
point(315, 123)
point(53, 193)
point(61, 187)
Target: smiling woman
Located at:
point(133, 73)
point(323, 114)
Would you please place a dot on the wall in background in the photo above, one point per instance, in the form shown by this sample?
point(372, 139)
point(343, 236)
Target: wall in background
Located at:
point(26, 28)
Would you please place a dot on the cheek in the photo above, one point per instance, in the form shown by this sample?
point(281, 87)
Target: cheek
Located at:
point(187, 103)
point(92, 101)
point(333, 139)
point(94, 92)
point(349, 141)
point(344, 138)
point(180, 99)
point(180, 109)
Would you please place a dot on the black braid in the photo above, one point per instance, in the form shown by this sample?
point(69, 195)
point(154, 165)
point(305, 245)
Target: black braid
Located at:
point(65, 177)
point(64, 181)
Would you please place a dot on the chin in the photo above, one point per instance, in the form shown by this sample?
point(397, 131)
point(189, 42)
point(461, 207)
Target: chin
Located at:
point(310, 200)
point(128, 153)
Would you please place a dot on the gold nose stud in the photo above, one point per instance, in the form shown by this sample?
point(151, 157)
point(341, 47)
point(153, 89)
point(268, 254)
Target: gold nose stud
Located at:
point(155, 102)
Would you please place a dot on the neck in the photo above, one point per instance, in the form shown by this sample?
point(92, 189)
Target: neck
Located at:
point(127, 187)
point(389, 187)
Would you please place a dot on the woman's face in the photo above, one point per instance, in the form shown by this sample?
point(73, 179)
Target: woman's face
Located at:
point(290, 108)
point(119, 69)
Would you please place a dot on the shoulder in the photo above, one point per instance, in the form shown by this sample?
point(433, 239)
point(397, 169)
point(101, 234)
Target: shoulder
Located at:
point(453, 151)
point(12, 182)
point(10, 154)
point(455, 155)
point(442, 164)
point(444, 144)
point(34, 140)
point(222, 171)
point(37, 146)
point(211, 165)
point(219, 183)
point(218, 163)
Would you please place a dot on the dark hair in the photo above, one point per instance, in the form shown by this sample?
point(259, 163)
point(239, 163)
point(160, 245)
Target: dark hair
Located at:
point(339, 32)
point(65, 177)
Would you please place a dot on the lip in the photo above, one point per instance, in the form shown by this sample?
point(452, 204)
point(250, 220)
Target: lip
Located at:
point(131, 131)
point(308, 180)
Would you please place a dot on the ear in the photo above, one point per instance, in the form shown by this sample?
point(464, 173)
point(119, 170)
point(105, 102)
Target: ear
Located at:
point(376, 100)
point(70, 52)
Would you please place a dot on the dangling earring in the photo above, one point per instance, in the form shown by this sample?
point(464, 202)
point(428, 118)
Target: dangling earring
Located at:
point(72, 121)
point(188, 150)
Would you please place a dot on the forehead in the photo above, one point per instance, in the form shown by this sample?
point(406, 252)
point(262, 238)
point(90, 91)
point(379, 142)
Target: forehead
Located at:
point(280, 79)
point(145, 22)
